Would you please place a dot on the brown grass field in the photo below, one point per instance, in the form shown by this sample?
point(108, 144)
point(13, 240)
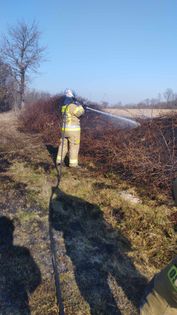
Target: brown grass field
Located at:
point(140, 112)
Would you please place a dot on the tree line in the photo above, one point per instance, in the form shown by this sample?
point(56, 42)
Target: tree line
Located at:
point(166, 100)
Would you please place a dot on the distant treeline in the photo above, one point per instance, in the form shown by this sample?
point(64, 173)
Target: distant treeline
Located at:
point(9, 95)
point(142, 105)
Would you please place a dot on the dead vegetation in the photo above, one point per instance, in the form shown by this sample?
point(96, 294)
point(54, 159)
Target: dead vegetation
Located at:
point(107, 229)
point(146, 155)
point(141, 112)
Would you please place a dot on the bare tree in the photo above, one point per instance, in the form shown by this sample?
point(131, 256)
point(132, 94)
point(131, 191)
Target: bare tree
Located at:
point(169, 96)
point(21, 50)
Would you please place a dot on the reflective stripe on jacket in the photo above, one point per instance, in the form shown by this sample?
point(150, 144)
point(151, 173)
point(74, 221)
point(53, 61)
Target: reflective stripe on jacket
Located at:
point(71, 114)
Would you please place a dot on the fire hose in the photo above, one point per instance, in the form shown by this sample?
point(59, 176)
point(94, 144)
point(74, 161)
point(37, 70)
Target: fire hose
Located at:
point(51, 236)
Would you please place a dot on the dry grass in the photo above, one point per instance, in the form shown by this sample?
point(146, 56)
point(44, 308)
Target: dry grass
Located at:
point(103, 235)
point(141, 112)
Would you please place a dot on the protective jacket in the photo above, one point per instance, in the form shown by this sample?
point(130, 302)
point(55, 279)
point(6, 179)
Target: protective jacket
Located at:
point(71, 113)
point(162, 296)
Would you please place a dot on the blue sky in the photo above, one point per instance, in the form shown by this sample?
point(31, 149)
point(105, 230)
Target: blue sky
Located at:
point(116, 50)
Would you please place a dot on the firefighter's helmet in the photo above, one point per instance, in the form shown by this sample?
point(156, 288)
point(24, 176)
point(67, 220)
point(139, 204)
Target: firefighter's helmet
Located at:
point(69, 93)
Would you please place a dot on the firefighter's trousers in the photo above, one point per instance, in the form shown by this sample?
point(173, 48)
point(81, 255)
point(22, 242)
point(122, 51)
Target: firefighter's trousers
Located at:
point(71, 146)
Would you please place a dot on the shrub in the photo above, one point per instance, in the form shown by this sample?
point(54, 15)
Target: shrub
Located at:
point(42, 117)
point(147, 155)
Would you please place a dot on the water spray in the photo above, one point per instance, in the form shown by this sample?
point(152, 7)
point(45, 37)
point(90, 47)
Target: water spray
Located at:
point(130, 122)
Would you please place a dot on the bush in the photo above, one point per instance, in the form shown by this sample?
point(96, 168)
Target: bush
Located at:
point(146, 155)
point(43, 117)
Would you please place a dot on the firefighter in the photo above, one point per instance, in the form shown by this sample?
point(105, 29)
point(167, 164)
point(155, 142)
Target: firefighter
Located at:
point(70, 141)
point(161, 293)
